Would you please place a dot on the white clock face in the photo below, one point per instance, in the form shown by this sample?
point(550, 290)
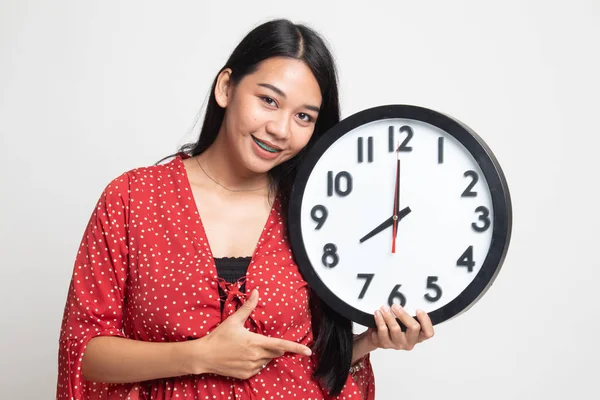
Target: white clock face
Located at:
point(445, 220)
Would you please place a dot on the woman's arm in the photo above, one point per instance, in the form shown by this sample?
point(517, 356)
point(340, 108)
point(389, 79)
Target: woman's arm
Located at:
point(229, 350)
point(112, 359)
point(361, 347)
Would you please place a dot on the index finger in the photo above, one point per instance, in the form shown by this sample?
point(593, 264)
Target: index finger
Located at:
point(284, 345)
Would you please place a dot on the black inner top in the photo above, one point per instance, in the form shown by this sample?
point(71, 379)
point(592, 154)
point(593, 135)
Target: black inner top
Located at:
point(232, 268)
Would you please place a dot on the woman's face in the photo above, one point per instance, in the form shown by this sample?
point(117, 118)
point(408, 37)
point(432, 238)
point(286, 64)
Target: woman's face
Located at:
point(270, 114)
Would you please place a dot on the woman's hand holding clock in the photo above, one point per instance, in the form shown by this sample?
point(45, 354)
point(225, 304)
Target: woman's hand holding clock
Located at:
point(390, 335)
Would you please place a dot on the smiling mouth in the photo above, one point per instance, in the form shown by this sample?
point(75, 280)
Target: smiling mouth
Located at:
point(264, 146)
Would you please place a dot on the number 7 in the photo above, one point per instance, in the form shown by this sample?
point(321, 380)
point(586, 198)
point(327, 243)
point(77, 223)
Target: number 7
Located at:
point(369, 278)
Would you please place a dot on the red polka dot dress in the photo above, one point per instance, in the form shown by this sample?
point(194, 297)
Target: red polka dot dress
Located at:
point(145, 271)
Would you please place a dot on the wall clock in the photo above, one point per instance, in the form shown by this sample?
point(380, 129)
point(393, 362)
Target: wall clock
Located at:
point(403, 204)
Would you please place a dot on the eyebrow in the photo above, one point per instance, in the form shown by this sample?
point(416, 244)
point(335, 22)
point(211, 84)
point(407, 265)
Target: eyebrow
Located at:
point(280, 92)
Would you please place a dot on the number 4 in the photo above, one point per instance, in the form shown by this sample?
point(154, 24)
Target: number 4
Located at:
point(466, 259)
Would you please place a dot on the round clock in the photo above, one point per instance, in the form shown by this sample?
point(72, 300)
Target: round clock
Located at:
point(400, 204)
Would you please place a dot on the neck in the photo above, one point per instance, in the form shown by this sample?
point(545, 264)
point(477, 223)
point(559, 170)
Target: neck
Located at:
point(228, 171)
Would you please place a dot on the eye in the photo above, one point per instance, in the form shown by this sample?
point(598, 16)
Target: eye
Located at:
point(305, 117)
point(269, 101)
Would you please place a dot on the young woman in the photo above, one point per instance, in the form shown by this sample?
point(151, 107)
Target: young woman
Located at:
point(185, 285)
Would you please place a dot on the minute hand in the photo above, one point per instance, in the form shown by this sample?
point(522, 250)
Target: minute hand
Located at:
point(386, 224)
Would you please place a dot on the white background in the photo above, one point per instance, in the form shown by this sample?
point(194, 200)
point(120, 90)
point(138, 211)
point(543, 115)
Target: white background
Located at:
point(91, 89)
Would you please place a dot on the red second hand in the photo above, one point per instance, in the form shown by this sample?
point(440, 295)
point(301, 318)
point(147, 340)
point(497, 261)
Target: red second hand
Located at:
point(395, 207)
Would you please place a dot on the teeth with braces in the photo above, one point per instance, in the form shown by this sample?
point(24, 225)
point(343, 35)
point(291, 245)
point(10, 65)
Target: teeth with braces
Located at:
point(264, 146)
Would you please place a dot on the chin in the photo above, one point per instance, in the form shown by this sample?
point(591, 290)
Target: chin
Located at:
point(258, 166)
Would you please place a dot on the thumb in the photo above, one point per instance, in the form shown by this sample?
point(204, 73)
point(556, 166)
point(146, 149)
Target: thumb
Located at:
point(371, 335)
point(246, 309)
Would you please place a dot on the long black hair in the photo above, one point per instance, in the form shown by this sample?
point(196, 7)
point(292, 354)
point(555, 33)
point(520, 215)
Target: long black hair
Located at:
point(282, 38)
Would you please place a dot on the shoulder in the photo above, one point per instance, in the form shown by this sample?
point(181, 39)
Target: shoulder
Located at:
point(162, 172)
point(147, 180)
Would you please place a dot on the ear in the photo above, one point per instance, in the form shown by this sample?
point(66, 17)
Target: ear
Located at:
point(223, 87)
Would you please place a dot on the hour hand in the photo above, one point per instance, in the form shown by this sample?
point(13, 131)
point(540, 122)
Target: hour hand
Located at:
point(386, 224)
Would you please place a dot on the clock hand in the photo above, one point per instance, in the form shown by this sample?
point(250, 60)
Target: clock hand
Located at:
point(396, 202)
point(387, 223)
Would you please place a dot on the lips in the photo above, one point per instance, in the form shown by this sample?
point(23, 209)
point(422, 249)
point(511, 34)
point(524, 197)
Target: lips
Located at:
point(267, 146)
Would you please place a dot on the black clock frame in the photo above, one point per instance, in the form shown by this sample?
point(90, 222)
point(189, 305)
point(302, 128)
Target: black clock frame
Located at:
point(489, 166)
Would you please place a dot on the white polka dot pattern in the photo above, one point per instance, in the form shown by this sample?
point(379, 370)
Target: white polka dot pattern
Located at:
point(145, 271)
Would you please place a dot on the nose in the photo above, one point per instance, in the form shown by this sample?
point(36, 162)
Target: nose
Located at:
point(279, 126)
